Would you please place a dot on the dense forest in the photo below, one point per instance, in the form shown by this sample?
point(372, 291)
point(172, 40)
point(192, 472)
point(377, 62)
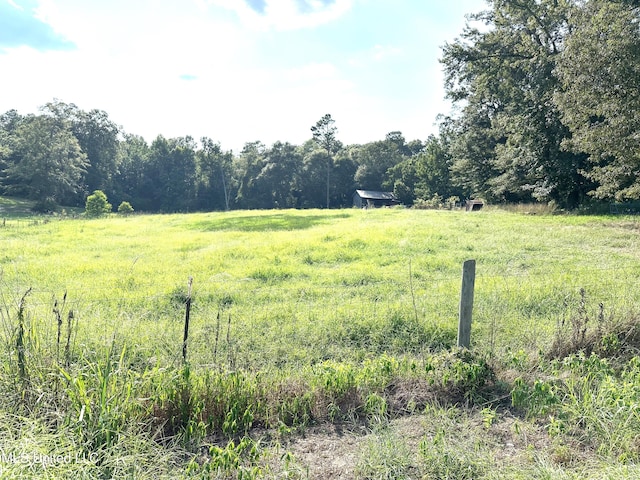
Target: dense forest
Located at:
point(546, 97)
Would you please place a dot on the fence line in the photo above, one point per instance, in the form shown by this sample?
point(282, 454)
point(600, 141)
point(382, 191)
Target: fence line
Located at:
point(426, 278)
point(502, 287)
point(620, 290)
point(507, 306)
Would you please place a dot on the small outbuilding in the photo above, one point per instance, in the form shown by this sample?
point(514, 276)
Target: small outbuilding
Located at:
point(474, 205)
point(373, 199)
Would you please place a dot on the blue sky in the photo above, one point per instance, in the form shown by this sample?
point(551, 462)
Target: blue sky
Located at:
point(234, 70)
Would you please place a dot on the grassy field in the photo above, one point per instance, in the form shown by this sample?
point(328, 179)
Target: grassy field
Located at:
point(302, 322)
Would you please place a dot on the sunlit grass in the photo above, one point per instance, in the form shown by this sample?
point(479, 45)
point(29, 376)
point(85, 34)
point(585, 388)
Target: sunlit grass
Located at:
point(297, 316)
point(287, 277)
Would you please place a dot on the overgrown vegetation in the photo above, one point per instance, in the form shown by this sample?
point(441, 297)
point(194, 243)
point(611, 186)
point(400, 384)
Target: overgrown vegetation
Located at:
point(317, 318)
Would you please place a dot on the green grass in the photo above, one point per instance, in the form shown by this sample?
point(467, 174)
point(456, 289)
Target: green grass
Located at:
point(13, 207)
point(305, 317)
point(287, 280)
point(15, 211)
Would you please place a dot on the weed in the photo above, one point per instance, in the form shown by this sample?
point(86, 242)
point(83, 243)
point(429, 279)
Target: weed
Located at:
point(376, 409)
point(100, 401)
point(231, 461)
point(178, 407)
point(441, 461)
point(539, 399)
point(488, 417)
point(20, 338)
point(385, 457)
point(605, 406)
point(179, 296)
point(461, 373)
point(287, 403)
point(608, 337)
point(338, 388)
point(277, 274)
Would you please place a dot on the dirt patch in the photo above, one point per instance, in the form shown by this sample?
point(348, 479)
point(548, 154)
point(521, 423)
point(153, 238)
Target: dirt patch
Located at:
point(329, 452)
point(332, 452)
point(326, 452)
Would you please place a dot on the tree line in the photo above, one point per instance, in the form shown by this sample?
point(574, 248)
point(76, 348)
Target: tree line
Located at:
point(63, 154)
point(547, 109)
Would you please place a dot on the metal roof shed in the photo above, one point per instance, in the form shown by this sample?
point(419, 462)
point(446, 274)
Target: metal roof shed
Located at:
point(370, 198)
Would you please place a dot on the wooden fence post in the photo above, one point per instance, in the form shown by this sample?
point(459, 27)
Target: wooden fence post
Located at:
point(466, 303)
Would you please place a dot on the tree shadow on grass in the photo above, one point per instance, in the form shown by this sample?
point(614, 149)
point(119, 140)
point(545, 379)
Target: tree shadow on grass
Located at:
point(13, 207)
point(262, 223)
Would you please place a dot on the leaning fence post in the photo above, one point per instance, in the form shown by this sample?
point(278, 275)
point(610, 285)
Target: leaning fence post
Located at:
point(186, 321)
point(466, 303)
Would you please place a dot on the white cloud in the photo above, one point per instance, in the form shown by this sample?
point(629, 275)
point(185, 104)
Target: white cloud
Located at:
point(312, 72)
point(286, 14)
point(382, 52)
point(191, 68)
point(15, 5)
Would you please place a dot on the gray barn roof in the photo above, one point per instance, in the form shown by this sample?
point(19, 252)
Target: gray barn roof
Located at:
point(373, 195)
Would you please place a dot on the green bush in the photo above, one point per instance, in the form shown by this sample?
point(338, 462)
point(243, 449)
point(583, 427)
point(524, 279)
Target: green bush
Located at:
point(97, 204)
point(125, 208)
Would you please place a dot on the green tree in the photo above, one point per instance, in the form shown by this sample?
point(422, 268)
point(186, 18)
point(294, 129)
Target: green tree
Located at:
point(9, 123)
point(97, 204)
point(311, 189)
point(511, 132)
point(215, 176)
point(343, 185)
point(433, 164)
point(97, 136)
point(248, 166)
point(425, 173)
point(374, 161)
point(278, 176)
point(472, 149)
point(600, 99)
point(169, 176)
point(133, 157)
point(324, 134)
point(50, 164)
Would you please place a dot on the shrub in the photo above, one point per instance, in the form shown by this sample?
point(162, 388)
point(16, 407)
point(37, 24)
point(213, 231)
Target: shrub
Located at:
point(97, 204)
point(125, 208)
point(434, 202)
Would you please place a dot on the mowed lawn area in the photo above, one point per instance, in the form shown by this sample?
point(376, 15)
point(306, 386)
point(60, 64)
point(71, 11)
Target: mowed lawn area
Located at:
point(301, 320)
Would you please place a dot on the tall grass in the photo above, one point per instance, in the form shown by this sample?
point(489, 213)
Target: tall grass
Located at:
point(300, 318)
